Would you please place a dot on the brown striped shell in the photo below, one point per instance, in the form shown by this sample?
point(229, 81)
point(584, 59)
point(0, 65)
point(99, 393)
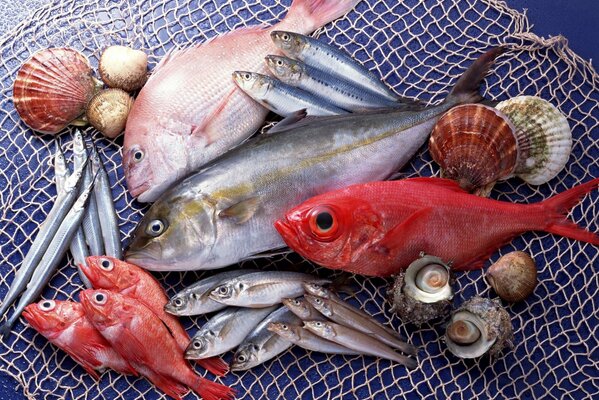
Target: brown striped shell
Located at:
point(53, 88)
point(513, 276)
point(475, 145)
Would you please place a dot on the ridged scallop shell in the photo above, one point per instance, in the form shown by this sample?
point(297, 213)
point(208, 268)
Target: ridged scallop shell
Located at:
point(53, 88)
point(475, 145)
point(544, 137)
point(423, 291)
point(484, 328)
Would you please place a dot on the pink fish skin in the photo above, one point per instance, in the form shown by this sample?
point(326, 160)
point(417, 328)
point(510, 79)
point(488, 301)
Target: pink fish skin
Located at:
point(144, 341)
point(190, 111)
point(65, 325)
point(379, 228)
point(130, 280)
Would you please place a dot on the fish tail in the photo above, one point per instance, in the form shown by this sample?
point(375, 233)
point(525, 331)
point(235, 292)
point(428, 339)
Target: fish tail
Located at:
point(305, 16)
point(556, 208)
point(216, 365)
point(209, 390)
point(466, 89)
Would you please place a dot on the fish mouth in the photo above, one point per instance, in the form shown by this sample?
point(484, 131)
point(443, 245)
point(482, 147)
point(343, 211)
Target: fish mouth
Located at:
point(141, 192)
point(287, 232)
point(88, 272)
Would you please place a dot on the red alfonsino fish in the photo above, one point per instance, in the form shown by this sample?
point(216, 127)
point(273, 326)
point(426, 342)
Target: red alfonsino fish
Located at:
point(65, 325)
point(130, 280)
point(379, 228)
point(190, 111)
point(145, 342)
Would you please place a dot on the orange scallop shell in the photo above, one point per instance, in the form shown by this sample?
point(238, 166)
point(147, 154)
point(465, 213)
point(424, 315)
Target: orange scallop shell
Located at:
point(53, 88)
point(475, 145)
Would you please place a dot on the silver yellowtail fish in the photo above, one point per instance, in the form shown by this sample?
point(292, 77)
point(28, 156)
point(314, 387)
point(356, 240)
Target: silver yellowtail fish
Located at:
point(225, 213)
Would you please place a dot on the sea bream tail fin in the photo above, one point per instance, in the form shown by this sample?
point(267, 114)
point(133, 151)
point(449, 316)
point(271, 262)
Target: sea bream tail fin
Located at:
point(466, 89)
point(305, 16)
point(556, 208)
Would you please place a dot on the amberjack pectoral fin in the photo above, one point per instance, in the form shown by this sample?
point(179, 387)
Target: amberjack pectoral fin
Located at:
point(242, 211)
point(289, 121)
point(404, 234)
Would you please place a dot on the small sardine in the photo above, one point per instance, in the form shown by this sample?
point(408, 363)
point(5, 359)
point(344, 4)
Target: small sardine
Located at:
point(225, 331)
point(91, 221)
point(78, 247)
point(195, 299)
point(304, 338)
point(108, 219)
point(303, 309)
point(262, 289)
point(55, 251)
point(358, 341)
point(344, 314)
point(339, 92)
point(62, 205)
point(329, 59)
point(261, 344)
point(282, 98)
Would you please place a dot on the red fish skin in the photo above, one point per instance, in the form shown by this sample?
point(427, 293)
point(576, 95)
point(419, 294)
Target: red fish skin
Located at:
point(66, 326)
point(383, 226)
point(133, 281)
point(144, 341)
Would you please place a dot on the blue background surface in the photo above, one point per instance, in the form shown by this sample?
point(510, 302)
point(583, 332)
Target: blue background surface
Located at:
point(576, 20)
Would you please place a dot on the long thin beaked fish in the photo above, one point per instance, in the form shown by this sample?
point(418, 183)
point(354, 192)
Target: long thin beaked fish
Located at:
point(106, 212)
point(331, 60)
point(78, 247)
point(282, 98)
point(91, 220)
point(55, 251)
point(62, 205)
point(304, 338)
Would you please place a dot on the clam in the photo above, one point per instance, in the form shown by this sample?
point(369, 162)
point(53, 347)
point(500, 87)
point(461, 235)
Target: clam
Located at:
point(480, 326)
point(423, 291)
point(124, 68)
point(53, 88)
point(513, 276)
point(108, 111)
point(544, 137)
point(474, 145)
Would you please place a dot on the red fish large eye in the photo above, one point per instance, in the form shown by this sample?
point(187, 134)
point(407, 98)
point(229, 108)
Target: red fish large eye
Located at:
point(323, 223)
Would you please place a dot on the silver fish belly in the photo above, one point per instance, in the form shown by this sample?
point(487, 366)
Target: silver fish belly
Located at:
point(195, 299)
point(261, 344)
point(262, 289)
point(225, 331)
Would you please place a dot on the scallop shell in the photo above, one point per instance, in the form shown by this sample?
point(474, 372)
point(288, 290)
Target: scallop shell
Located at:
point(475, 145)
point(108, 111)
point(513, 276)
point(423, 291)
point(480, 326)
point(544, 137)
point(53, 88)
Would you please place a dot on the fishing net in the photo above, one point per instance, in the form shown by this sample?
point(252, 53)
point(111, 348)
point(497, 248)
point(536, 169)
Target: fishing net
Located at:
point(419, 48)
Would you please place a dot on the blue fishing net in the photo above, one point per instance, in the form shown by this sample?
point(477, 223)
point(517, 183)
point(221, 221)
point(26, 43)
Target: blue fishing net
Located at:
point(419, 48)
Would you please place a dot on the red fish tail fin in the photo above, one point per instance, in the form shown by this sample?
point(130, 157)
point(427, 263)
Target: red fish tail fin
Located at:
point(558, 206)
point(305, 16)
point(466, 89)
point(209, 390)
point(216, 365)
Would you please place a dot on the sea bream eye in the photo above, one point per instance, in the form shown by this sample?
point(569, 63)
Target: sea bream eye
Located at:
point(47, 305)
point(106, 265)
point(155, 228)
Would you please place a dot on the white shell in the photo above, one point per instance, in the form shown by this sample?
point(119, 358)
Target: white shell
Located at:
point(480, 346)
point(544, 137)
point(428, 280)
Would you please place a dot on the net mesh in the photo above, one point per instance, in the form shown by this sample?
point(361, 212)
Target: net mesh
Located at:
point(419, 48)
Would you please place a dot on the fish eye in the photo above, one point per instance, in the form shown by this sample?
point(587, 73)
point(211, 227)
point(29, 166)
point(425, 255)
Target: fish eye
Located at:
point(280, 63)
point(222, 290)
point(284, 327)
point(100, 298)
point(318, 324)
point(285, 37)
point(106, 264)
point(241, 358)
point(155, 228)
point(247, 76)
point(197, 345)
point(47, 305)
point(138, 155)
point(318, 300)
point(178, 302)
point(323, 223)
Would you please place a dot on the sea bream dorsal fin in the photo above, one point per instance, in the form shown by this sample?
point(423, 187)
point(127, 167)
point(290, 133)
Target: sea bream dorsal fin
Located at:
point(439, 182)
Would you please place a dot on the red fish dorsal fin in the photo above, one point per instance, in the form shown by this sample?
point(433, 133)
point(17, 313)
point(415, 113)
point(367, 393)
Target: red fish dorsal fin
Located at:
point(439, 182)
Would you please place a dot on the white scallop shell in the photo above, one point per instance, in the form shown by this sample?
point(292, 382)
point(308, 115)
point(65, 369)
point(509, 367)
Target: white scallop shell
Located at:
point(544, 137)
